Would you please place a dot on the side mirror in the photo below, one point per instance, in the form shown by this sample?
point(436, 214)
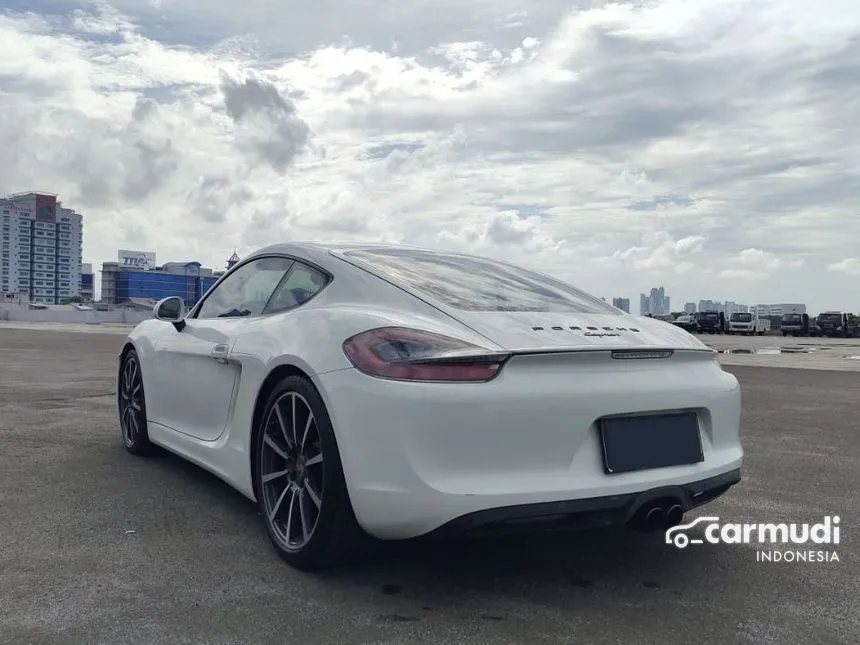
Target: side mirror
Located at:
point(171, 310)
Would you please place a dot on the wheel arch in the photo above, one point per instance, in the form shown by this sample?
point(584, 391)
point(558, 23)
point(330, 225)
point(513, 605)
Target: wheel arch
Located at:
point(128, 346)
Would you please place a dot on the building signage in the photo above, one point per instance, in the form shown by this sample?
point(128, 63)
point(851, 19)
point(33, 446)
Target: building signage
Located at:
point(136, 259)
point(46, 208)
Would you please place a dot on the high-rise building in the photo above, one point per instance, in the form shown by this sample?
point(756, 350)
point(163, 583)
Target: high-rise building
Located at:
point(657, 303)
point(690, 308)
point(622, 303)
point(40, 248)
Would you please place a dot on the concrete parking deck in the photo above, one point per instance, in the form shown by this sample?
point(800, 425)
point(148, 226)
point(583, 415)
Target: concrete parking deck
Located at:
point(99, 547)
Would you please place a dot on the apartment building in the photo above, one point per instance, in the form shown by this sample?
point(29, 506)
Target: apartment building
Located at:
point(40, 248)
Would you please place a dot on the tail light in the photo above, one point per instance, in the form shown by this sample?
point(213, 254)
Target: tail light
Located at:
point(412, 355)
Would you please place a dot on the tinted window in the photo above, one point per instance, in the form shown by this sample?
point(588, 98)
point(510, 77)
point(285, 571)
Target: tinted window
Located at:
point(300, 285)
point(246, 290)
point(742, 317)
point(479, 284)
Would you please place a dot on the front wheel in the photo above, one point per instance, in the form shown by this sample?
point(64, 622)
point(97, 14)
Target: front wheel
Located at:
point(299, 481)
point(131, 404)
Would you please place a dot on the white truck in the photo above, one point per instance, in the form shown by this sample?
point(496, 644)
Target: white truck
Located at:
point(748, 324)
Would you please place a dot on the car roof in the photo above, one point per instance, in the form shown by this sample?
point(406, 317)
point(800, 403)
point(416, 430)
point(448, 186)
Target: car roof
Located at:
point(321, 252)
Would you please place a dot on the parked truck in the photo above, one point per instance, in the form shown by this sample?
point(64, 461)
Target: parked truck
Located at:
point(837, 323)
point(797, 325)
point(749, 324)
point(708, 322)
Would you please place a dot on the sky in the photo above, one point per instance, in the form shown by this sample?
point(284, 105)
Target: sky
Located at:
point(707, 146)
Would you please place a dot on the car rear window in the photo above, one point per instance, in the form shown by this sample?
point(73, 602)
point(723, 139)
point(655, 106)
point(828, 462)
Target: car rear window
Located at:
point(478, 284)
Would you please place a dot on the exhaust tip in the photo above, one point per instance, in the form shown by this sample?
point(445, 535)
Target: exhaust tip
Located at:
point(674, 516)
point(654, 519)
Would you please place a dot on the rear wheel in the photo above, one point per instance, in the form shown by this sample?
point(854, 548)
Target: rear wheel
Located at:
point(131, 404)
point(299, 481)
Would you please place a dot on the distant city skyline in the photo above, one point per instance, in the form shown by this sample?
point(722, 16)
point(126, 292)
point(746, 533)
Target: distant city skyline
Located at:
point(657, 302)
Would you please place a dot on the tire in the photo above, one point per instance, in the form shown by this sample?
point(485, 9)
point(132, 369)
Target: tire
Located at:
point(131, 407)
point(314, 506)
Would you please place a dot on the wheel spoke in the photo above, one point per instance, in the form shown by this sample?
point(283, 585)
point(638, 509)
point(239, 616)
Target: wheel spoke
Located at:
point(293, 412)
point(289, 526)
point(290, 514)
point(133, 374)
point(283, 424)
point(313, 461)
point(271, 443)
point(270, 476)
point(315, 498)
point(273, 513)
point(307, 427)
point(303, 513)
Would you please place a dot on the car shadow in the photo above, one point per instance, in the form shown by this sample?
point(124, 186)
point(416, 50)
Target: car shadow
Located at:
point(591, 560)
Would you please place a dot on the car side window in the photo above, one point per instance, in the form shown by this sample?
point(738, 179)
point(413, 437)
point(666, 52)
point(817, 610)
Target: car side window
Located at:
point(246, 291)
point(300, 285)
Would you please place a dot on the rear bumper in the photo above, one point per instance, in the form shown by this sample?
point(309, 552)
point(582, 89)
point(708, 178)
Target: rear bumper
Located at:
point(417, 456)
point(578, 514)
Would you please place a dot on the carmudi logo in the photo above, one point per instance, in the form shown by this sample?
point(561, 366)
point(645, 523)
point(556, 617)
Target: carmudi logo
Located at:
point(820, 538)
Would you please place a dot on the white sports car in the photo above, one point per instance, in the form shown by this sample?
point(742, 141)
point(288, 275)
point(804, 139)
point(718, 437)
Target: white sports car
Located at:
point(360, 393)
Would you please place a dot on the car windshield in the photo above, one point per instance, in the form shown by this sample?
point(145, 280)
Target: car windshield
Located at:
point(836, 317)
point(479, 284)
point(791, 317)
point(741, 317)
point(711, 316)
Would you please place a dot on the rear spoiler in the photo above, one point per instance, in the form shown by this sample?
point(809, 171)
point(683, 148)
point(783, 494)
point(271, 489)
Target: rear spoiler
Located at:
point(617, 351)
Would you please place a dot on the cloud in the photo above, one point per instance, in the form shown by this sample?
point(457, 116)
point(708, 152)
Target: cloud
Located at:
point(851, 266)
point(765, 260)
point(618, 145)
point(662, 253)
point(268, 127)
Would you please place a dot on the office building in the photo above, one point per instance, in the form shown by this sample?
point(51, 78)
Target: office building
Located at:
point(785, 308)
point(40, 248)
point(87, 286)
point(136, 279)
point(622, 303)
point(689, 307)
point(728, 307)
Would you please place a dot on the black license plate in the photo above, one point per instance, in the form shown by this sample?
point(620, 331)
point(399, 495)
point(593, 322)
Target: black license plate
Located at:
point(652, 441)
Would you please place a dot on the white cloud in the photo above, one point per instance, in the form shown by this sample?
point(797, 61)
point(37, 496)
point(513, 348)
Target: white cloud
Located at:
point(765, 260)
point(622, 146)
point(851, 266)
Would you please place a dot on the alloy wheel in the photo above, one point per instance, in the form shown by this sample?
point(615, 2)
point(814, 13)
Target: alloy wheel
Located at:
point(131, 401)
point(291, 470)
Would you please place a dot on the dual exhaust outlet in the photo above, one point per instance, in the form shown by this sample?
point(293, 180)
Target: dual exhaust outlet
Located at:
point(657, 516)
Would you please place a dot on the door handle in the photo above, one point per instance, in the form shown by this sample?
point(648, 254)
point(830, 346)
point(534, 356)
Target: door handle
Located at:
point(219, 353)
